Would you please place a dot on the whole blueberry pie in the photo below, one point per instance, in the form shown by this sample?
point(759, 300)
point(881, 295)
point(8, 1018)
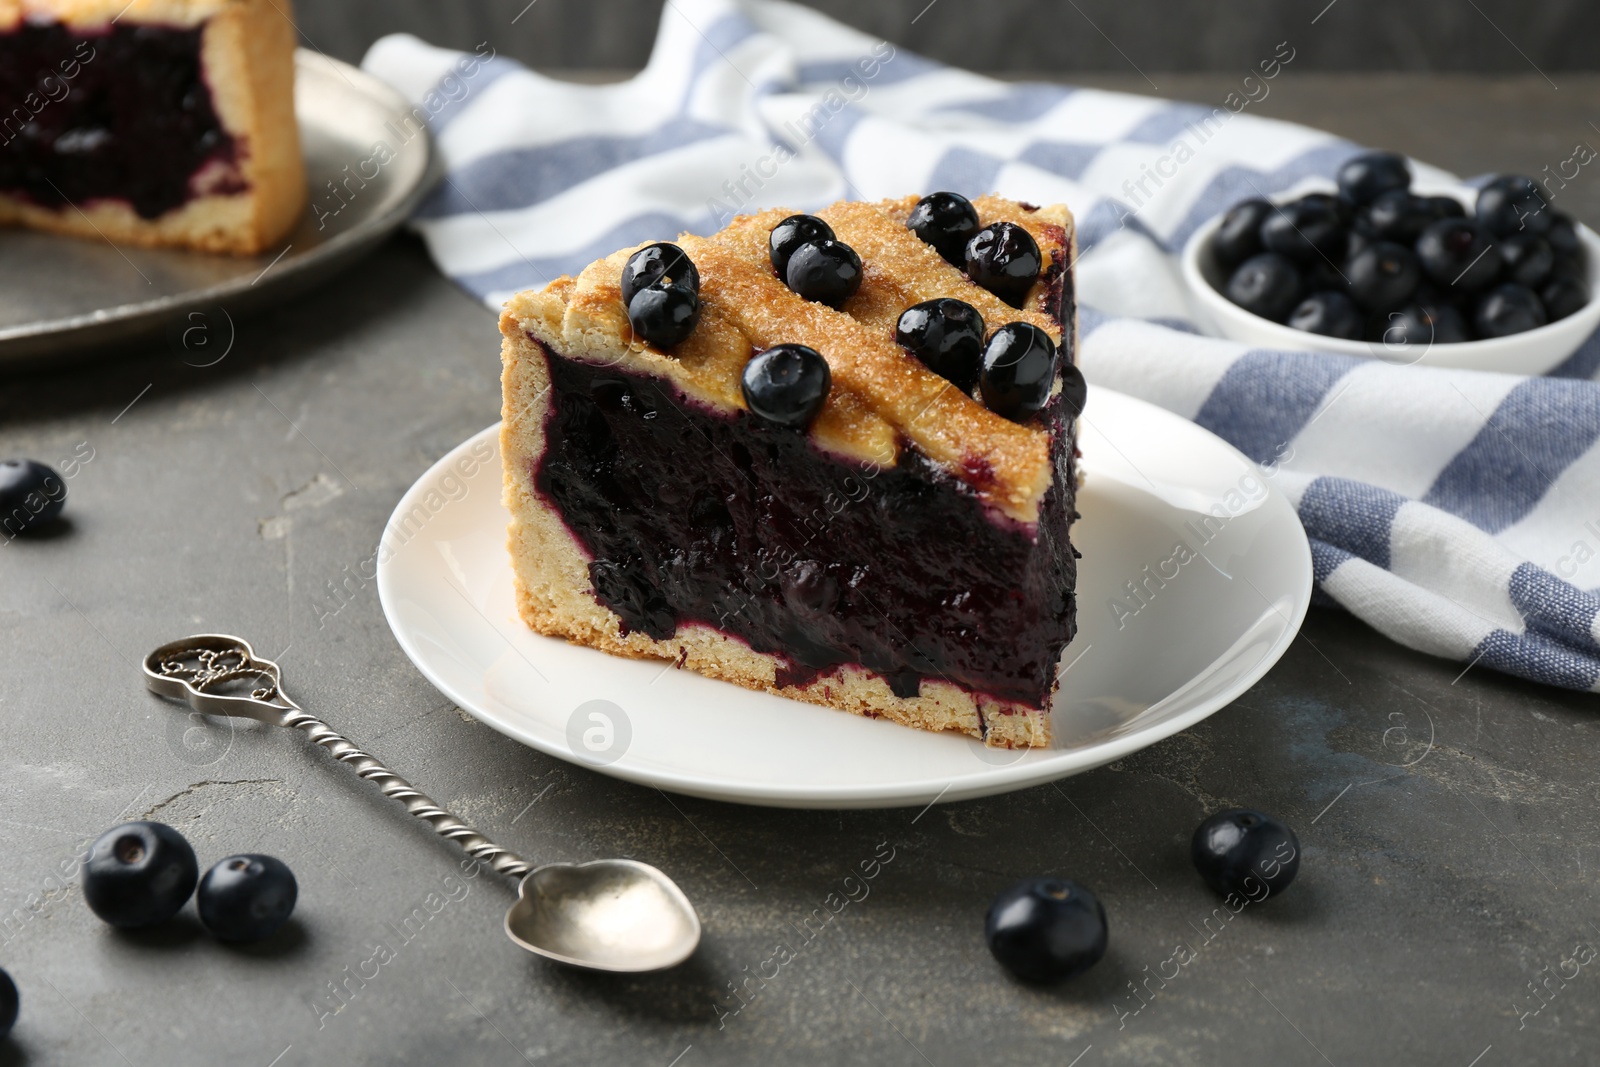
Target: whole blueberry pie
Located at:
point(155, 122)
point(827, 456)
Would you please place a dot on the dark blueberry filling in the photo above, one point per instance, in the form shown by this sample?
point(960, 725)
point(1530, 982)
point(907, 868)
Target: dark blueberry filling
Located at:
point(119, 115)
point(694, 516)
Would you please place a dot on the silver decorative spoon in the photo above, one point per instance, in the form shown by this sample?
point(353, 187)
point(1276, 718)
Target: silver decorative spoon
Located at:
point(608, 915)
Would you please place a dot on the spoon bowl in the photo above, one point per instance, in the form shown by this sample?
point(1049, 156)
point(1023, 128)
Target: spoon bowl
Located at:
point(608, 915)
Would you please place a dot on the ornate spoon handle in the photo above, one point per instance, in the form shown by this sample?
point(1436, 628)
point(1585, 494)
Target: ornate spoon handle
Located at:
point(221, 675)
point(416, 802)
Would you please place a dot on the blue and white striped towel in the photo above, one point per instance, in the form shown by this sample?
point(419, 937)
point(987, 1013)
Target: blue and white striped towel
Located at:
point(1457, 512)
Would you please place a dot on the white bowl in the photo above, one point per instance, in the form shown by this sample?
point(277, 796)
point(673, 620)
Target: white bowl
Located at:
point(1534, 352)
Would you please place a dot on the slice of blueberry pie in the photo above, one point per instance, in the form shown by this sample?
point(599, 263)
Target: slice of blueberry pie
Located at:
point(151, 122)
point(829, 456)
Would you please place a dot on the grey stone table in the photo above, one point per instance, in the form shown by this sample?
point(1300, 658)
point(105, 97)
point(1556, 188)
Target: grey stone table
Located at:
point(1448, 819)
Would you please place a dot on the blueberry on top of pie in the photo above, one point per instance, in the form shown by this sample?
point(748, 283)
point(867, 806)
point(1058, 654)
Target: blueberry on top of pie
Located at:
point(812, 456)
point(152, 122)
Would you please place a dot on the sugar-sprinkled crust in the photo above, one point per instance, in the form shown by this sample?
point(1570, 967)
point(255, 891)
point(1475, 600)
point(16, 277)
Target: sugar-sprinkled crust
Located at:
point(882, 396)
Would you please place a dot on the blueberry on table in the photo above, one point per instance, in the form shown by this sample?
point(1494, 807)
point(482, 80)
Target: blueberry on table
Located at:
point(1399, 216)
point(659, 262)
point(946, 221)
point(10, 1004)
point(1426, 323)
point(1331, 314)
point(828, 272)
point(947, 336)
point(1246, 852)
point(1511, 204)
point(1528, 258)
point(32, 495)
point(786, 384)
point(246, 898)
point(1460, 253)
point(1563, 296)
point(1046, 929)
point(1267, 285)
point(1238, 235)
point(139, 874)
point(1508, 309)
point(1304, 230)
point(1019, 369)
point(1366, 177)
point(664, 313)
point(1004, 259)
point(1383, 275)
point(790, 234)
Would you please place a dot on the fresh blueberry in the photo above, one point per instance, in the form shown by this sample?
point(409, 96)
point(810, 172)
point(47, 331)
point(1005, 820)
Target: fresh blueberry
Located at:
point(1562, 235)
point(1508, 309)
point(786, 384)
point(1303, 230)
point(1366, 177)
point(1238, 235)
point(1444, 207)
point(1338, 204)
point(1425, 323)
point(1459, 253)
point(1359, 236)
point(1004, 259)
point(1566, 266)
point(1322, 275)
point(139, 874)
point(1563, 296)
point(1046, 929)
point(1399, 216)
point(1528, 258)
point(31, 496)
point(1245, 852)
point(663, 314)
point(1331, 314)
point(246, 898)
point(828, 272)
point(1074, 389)
point(1512, 203)
point(947, 336)
point(1383, 275)
point(10, 1004)
point(1019, 369)
point(790, 234)
point(946, 221)
point(664, 263)
point(1267, 285)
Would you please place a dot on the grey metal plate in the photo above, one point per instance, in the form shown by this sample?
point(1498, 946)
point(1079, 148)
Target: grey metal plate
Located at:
point(64, 298)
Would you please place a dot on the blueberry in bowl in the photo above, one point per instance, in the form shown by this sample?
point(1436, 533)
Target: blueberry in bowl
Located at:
point(1378, 267)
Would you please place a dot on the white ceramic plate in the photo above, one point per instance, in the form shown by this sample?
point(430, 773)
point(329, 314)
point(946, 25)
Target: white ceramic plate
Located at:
point(1208, 629)
point(1534, 352)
